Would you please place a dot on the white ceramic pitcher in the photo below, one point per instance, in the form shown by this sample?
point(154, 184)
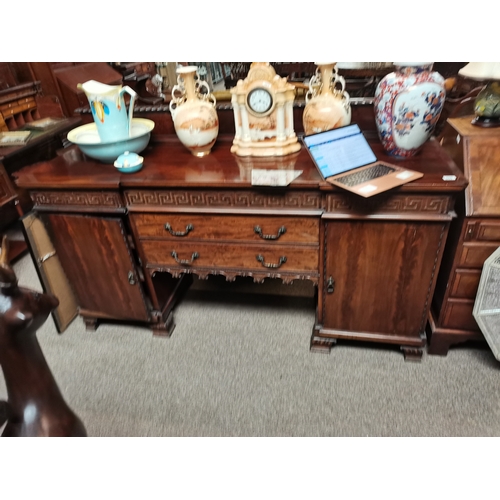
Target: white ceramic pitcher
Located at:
point(108, 109)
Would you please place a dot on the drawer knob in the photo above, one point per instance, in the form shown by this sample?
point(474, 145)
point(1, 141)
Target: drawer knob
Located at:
point(281, 230)
point(189, 228)
point(184, 261)
point(273, 266)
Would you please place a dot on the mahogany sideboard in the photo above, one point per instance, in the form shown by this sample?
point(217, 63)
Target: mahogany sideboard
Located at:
point(474, 234)
point(129, 243)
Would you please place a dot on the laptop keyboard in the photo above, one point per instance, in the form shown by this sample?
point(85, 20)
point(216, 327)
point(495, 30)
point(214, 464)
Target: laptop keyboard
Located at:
point(365, 175)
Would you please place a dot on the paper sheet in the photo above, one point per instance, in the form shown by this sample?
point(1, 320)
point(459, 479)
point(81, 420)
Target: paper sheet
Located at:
point(262, 177)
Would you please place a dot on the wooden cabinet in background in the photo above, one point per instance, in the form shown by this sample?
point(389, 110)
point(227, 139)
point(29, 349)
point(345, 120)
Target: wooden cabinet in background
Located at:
point(474, 234)
point(42, 145)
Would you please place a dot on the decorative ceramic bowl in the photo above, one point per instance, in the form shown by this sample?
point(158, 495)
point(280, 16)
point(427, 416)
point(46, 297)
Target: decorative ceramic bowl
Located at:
point(87, 139)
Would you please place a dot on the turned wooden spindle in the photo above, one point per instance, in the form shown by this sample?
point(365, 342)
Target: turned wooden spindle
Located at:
point(35, 405)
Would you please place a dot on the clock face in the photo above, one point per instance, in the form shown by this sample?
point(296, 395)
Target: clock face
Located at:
point(260, 101)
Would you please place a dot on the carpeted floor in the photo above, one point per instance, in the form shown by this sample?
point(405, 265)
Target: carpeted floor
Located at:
point(238, 364)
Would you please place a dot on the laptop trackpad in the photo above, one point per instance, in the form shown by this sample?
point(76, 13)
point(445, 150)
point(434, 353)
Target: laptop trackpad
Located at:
point(404, 175)
point(368, 189)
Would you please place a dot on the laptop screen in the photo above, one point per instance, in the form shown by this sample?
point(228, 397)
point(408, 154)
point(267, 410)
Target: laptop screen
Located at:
point(339, 150)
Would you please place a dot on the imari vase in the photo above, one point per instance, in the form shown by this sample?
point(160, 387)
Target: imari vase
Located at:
point(408, 103)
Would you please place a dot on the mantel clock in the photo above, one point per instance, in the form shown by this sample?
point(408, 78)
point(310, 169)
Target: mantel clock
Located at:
point(263, 114)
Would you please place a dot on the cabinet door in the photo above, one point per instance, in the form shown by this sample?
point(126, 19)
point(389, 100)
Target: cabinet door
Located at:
point(50, 271)
point(383, 276)
point(96, 258)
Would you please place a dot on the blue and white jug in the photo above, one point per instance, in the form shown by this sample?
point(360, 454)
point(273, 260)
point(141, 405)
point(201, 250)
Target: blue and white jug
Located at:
point(108, 109)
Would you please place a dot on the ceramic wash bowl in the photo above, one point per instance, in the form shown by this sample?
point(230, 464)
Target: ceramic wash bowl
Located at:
point(87, 139)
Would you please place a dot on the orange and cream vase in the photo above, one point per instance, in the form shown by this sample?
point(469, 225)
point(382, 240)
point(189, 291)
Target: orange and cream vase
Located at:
point(327, 102)
point(193, 112)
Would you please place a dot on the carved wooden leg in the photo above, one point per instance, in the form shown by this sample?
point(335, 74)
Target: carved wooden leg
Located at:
point(412, 353)
point(322, 344)
point(91, 324)
point(164, 328)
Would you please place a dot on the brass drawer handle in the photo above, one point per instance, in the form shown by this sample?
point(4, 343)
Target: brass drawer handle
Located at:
point(186, 262)
point(189, 227)
point(281, 230)
point(273, 266)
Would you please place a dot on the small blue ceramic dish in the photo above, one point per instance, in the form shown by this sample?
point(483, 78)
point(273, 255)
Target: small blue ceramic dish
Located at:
point(128, 162)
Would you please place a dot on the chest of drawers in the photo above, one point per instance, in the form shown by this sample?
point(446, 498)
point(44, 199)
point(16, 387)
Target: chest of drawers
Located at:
point(474, 234)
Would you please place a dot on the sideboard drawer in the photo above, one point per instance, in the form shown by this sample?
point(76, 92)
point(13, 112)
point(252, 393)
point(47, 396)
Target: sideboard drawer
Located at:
point(232, 256)
point(488, 231)
point(474, 254)
point(227, 228)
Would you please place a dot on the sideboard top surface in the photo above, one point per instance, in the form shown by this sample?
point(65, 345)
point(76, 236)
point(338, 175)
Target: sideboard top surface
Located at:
point(168, 164)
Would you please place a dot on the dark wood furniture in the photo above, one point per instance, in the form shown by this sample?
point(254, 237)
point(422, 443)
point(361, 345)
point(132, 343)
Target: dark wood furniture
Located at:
point(474, 235)
point(379, 257)
point(18, 105)
point(129, 243)
point(35, 405)
point(42, 145)
point(61, 79)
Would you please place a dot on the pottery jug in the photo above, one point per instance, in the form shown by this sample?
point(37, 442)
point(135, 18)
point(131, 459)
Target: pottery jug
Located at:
point(193, 112)
point(108, 109)
point(408, 103)
point(327, 106)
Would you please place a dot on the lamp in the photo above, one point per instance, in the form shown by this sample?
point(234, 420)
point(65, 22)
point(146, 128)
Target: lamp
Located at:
point(487, 103)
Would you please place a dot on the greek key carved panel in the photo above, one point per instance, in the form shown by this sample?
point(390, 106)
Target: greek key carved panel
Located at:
point(390, 204)
point(77, 198)
point(232, 199)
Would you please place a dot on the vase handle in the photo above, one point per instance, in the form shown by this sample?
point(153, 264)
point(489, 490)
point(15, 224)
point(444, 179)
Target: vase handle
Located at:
point(205, 96)
point(176, 99)
point(341, 80)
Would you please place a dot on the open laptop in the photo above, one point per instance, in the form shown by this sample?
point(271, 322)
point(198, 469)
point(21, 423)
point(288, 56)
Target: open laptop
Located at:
point(345, 159)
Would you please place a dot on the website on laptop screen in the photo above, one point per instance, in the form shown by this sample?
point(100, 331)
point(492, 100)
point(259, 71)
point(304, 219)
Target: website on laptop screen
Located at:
point(339, 150)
